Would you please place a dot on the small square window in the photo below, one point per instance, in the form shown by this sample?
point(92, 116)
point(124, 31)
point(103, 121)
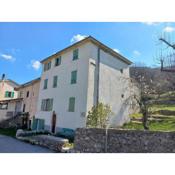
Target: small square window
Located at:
point(58, 61)
point(121, 70)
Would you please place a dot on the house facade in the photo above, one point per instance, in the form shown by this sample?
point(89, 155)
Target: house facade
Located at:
point(77, 78)
point(7, 89)
point(23, 102)
point(29, 93)
point(9, 104)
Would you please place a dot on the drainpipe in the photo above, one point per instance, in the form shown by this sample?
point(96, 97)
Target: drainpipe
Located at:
point(98, 75)
point(97, 99)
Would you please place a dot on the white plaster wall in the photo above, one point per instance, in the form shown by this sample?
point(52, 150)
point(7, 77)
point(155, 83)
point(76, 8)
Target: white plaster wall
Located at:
point(65, 90)
point(112, 84)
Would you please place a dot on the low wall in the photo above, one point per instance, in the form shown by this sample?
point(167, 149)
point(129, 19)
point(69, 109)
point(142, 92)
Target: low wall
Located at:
point(124, 141)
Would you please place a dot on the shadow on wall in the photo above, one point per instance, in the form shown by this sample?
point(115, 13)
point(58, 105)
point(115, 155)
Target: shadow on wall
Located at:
point(121, 117)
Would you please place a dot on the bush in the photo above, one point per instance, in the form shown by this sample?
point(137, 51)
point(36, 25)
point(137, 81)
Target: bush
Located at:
point(99, 116)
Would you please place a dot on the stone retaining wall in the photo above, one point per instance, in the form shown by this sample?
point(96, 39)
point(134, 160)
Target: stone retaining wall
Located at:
point(124, 141)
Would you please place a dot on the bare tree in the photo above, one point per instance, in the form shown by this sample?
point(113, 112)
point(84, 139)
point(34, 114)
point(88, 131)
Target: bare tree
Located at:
point(167, 59)
point(141, 87)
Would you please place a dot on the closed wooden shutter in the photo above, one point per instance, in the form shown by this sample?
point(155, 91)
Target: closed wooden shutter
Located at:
point(71, 104)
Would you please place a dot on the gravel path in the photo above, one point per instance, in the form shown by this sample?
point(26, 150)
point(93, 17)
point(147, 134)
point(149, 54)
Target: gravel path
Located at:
point(12, 145)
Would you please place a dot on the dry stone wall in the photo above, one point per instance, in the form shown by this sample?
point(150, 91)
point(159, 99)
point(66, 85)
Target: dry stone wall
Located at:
point(123, 141)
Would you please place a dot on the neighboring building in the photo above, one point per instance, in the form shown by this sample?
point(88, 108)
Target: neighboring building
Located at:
point(7, 89)
point(9, 104)
point(77, 78)
point(29, 93)
point(23, 102)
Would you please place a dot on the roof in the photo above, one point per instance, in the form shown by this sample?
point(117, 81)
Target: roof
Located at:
point(9, 80)
point(11, 100)
point(96, 42)
point(28, 83)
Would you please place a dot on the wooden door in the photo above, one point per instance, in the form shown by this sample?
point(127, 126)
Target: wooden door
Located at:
point(53, 122)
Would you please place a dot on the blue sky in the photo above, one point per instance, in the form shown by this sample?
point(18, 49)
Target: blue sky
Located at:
point(23, 45)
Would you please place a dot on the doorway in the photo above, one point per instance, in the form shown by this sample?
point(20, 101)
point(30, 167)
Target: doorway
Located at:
point(53, 122)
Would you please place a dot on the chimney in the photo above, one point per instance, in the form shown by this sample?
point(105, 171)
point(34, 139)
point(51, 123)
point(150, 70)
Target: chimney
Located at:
point(3, 77)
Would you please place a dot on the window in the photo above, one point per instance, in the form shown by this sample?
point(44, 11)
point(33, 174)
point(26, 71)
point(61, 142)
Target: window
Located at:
point(47, 66)
point(4, 106)
point(71, 104)
point(74, 77)
point(45, 84)
point(75, 54)
point(121, 70)
point(122, 95)
point(27, 94)
point(24, 108)
point(55, 78)
point(21, 94)
point(47, 104)
point(58, 61)
point(9, 94)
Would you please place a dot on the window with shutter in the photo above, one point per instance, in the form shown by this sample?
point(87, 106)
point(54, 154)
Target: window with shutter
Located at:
point(71, 104)
point(58, 61)
point(75, 54)
point(55, 81)
point(45, 84)
point(6, 93)
point(12, 94)
point(74, 77)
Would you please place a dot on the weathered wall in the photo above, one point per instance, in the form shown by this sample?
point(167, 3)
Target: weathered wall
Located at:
point(32, 100)
point(124, 141)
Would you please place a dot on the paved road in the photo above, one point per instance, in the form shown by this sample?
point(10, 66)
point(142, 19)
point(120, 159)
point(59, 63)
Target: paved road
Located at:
point(11, 145)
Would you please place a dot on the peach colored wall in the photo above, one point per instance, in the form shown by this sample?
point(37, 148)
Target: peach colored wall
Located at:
point(31, 101)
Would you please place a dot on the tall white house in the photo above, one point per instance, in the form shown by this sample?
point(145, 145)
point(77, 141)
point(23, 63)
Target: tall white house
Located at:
point(78, 77)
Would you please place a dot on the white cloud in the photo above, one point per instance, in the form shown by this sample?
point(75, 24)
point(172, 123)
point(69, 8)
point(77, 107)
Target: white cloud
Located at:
point(136, 53)
point(7, 57)
point(35, 64)
point(169, 29)
point(117, 50)
point(77, 38)
point(151, 23)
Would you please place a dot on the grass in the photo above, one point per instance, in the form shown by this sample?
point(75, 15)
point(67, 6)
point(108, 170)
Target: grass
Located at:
point(155, 108)
point(158, 123)
point(8, 132)
point(165, 125)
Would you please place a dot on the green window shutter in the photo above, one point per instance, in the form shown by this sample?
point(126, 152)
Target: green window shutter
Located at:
point(12, 94)
point(50, 106)
point(75, 54)
point(34, 124)
point(49, 65)
point(73, 77)
point(71, 104)
point(45, 84)
point(43, 105)
point(40, 124)
point(55, 81)
point(6, 93)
